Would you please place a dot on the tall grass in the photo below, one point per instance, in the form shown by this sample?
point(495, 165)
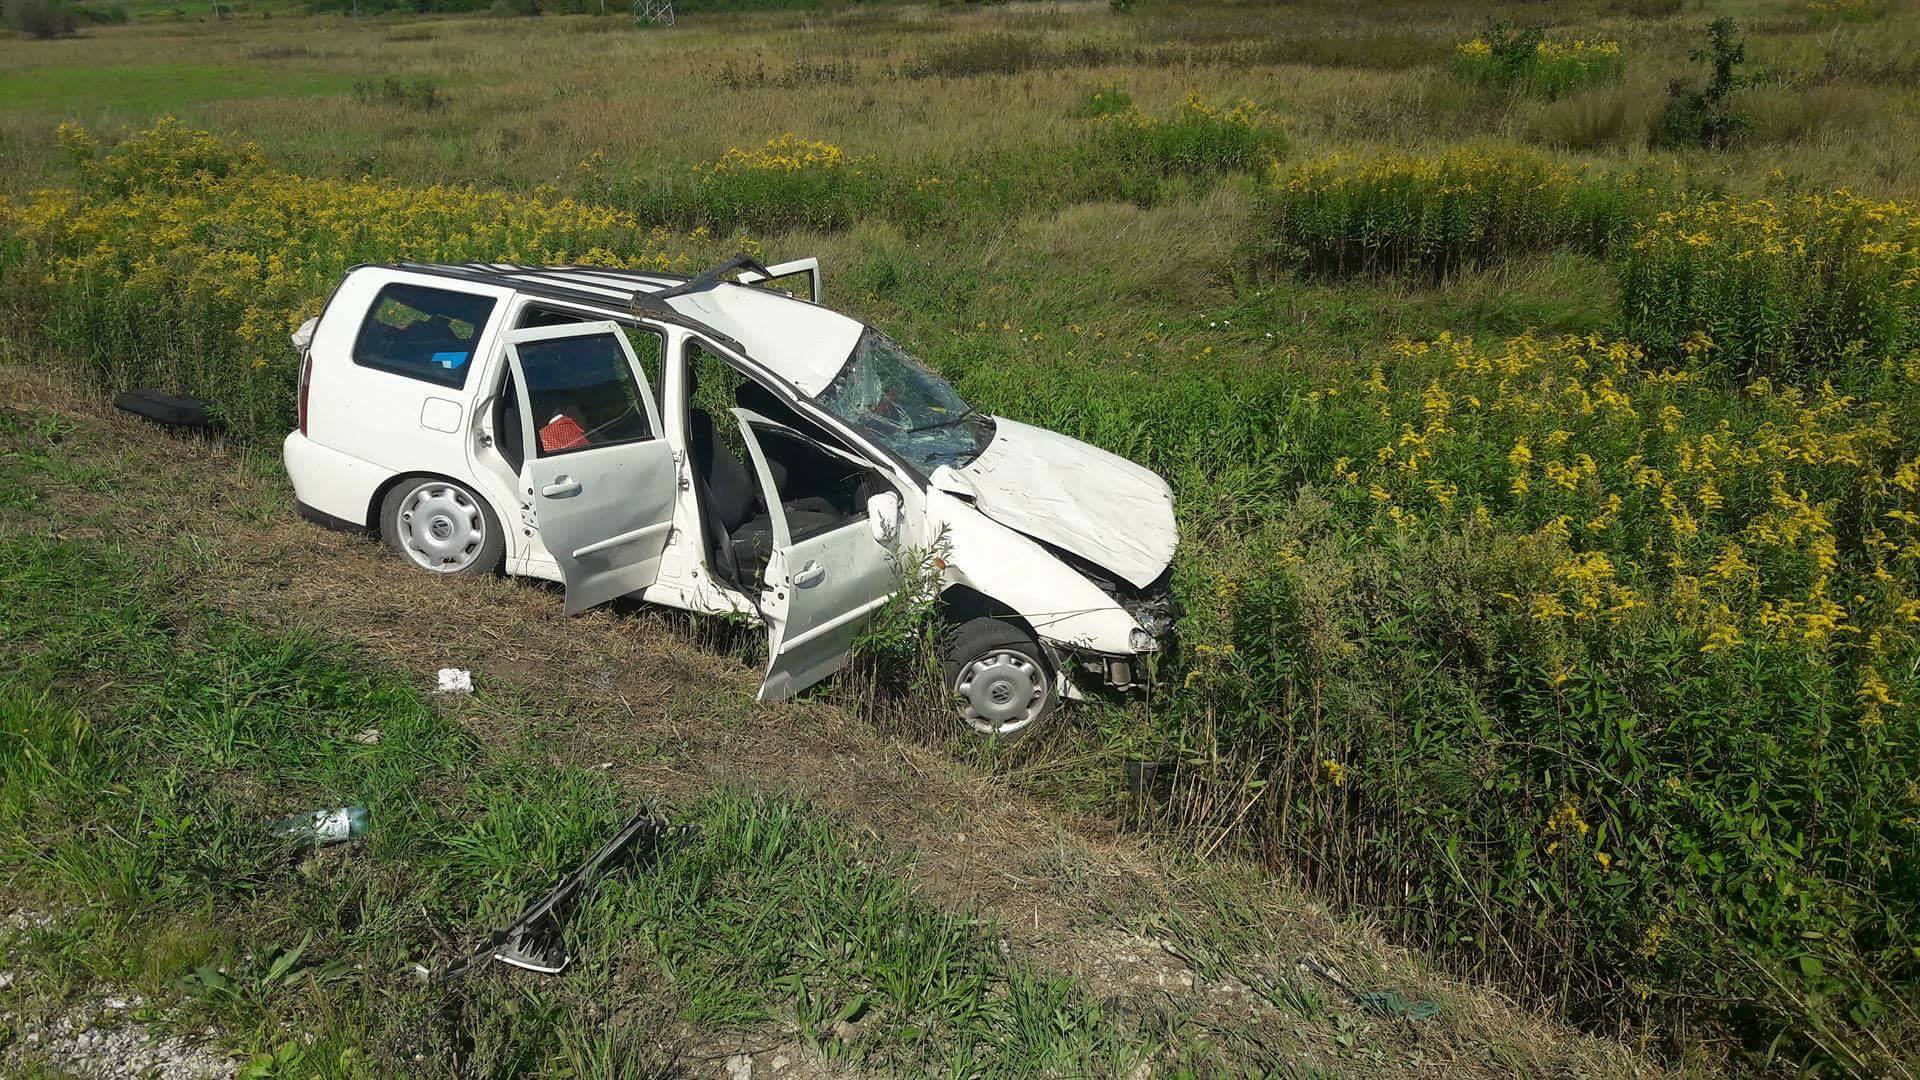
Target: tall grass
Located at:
point(1196, 139)
point(790, 182)
point(1576, 664)
point(1432, 216)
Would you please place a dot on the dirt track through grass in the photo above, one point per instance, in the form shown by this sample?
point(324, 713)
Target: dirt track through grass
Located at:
point(1208, 955)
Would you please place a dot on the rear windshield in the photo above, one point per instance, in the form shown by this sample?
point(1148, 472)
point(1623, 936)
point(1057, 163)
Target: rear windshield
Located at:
point(423, 333)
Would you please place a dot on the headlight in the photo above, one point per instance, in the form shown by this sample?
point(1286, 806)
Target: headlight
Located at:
point(1140, 641)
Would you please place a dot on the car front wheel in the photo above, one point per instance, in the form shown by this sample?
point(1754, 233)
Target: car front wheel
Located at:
point(1000, 678)
point(442, 526)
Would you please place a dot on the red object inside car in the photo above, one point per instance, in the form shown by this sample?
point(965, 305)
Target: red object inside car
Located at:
point(562, 433)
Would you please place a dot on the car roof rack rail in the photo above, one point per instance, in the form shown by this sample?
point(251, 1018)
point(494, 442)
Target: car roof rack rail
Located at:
point(717, 275)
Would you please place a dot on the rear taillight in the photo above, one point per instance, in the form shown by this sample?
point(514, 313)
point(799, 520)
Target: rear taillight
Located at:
point(306, 383)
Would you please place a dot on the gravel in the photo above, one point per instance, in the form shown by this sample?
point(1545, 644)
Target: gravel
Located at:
point(98, 1035)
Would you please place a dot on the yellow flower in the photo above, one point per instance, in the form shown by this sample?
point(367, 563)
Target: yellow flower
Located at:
point(1334, 772)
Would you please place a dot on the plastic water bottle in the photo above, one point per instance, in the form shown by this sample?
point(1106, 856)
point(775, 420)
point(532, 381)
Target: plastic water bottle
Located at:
point(322, 827)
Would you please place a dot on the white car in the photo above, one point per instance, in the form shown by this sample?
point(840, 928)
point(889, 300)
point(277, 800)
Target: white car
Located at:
point(570, 423)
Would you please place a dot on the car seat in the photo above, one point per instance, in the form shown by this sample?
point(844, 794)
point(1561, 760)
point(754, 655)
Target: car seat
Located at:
point(740, 538)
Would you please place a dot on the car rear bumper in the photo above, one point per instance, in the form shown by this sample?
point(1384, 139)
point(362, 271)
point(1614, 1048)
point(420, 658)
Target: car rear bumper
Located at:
point(338, 487)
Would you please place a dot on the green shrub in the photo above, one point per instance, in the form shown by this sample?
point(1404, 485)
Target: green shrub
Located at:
point(1002, 54)
point(1506, 58)
point(1197, 139)
point(1432, 216)
point(1704, 114)
point(101, 14)
point(419, 94)
point(1791, 288)
point(1829, 12)
point(167, 157)
point(40, 18)
point(790, 182)
point(1106, 101)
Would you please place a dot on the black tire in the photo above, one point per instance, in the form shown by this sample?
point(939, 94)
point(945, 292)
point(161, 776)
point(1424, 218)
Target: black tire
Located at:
point(442, 527)
point(1000, 677)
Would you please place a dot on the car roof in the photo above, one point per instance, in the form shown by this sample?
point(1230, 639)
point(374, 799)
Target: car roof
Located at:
point(800, 341)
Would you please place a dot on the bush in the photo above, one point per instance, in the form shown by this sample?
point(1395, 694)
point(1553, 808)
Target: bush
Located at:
point(791, 182)
point(1581, 667)
point(1197, 140)
point(1106, 101)
point(1613, 117)
point(40, 18)
point(185, 261)
point(101, 14)
point(1704, 114)
point(1002, 54)
point(419, 94)
point(1505, 58)
point(1791, 288)
point(167, 157)
point(1432, 216)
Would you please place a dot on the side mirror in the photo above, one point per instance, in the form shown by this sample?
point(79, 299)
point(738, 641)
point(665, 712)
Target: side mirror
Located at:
point(883, 516)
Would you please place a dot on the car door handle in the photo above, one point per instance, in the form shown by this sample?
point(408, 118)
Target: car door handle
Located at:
point(810, 575)
point(563, 487)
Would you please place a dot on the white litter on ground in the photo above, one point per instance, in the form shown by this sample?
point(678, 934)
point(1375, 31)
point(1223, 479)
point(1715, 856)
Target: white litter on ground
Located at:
point(455, 681)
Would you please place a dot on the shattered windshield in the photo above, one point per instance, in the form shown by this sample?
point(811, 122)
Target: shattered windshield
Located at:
point(901, 404)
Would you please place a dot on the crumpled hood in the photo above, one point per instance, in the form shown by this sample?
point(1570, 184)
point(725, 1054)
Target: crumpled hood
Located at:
point(1061, 491)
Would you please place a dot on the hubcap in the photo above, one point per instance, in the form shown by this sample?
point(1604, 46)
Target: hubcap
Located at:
point(441, 527)
point(1001, 692)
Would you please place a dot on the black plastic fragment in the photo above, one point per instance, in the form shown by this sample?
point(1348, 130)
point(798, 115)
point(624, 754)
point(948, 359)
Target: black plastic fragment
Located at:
point(533, 941)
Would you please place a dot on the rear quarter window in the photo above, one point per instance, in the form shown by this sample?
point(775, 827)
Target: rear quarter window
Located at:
point(423, 333)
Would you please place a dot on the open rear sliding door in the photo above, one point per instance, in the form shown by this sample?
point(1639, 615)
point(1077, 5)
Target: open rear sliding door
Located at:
point(821, 589)
point(599, 475)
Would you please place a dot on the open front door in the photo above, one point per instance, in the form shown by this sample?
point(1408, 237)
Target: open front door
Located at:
point(824, 578)
point(600, 477)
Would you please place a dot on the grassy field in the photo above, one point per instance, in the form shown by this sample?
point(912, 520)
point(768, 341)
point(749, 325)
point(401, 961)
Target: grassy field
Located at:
point(1544, 437)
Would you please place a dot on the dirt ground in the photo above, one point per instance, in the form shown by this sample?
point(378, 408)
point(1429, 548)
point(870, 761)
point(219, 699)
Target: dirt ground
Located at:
point(637, 692)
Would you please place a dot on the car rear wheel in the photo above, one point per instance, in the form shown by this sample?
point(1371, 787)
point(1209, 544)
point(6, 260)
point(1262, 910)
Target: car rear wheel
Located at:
point(443, 527)
point(1000, 678)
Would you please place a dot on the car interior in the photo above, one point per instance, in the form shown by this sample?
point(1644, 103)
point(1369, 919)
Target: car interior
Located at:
point(818, 490)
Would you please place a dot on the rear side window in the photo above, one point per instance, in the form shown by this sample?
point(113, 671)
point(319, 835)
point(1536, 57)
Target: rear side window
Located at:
point(423, 333)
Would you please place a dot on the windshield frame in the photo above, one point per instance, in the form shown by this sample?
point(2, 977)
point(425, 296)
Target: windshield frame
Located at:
point(939, 399)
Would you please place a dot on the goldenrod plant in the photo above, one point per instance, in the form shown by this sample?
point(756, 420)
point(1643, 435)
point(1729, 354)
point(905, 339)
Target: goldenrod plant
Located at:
point(1431, 216)
point(1503, 57)
point(1796, 286)
point(185, 260)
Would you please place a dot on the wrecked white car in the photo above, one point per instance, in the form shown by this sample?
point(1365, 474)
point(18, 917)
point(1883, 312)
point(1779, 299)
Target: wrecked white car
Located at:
point(717, 444)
